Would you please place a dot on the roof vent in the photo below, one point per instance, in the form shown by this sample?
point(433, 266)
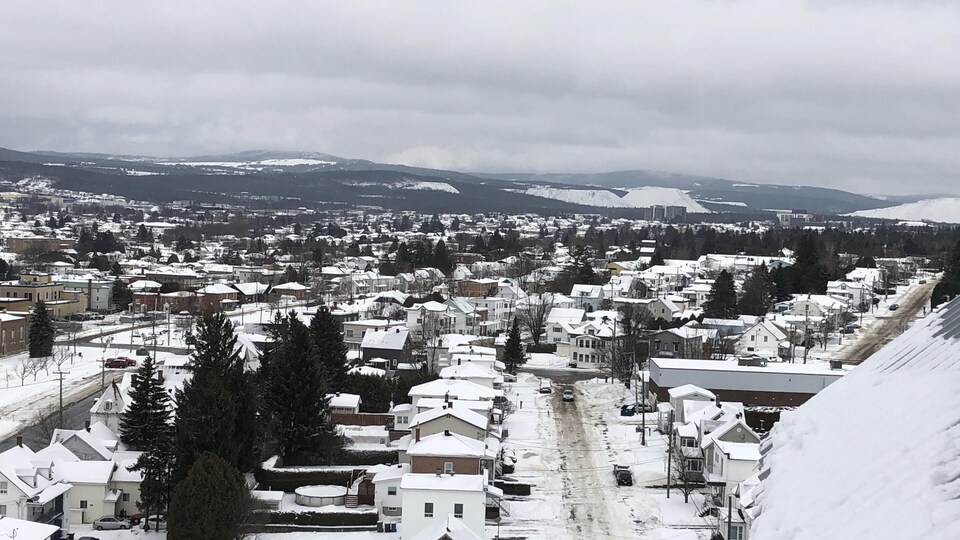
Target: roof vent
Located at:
point(446, 432)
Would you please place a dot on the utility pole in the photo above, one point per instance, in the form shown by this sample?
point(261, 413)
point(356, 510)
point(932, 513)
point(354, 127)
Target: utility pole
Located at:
point(729, 515)
point(669, 454)
point(61, 374)
point(643, 410)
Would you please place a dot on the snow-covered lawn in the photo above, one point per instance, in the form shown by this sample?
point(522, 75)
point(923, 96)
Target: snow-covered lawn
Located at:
point(21, 399)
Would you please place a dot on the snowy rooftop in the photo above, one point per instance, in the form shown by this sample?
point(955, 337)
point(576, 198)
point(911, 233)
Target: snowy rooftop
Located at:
point(901, 410)
point(443, 482)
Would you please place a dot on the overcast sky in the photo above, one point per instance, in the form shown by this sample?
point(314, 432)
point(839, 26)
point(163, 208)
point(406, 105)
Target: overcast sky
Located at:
point(858, 95)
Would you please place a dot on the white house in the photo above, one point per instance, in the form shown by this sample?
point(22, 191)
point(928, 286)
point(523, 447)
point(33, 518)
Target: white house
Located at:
point(455, 420)
point(386, 495)
point(450, 389)
point(449, 529)
point(763, 338)
point(108, 407)
point(429, 498)
point(473, 372)
point(343, 403)
point(681, 394)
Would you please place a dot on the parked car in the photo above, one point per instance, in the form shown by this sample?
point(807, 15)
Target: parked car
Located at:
point(623, 475)
point(546, 389)
point(87, 538)
point(923, 282)
point(894, 307)
point(157, 523)
point(568, 395)
point(627, 410)
point(509, 377)
point(110, 523)
point(119, 363)
point(644, 407)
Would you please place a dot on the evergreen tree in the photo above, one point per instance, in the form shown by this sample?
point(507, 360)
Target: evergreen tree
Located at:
point(375, 391)
point(513, 356)
point(216, 409)
point(657, 258)
point(442, 258)
point(144, 235)
point(122, 295)
point(295, 401)
point(757, 292)
point(211, 503)
point(722, 299)
point(41, 332)
point(329, 347)
point(146, 418)
point(156, 466)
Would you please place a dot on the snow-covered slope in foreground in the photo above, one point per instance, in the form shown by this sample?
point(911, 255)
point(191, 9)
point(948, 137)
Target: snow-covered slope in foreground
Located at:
point(876, 454)
point(945, 210)
point(635, 197)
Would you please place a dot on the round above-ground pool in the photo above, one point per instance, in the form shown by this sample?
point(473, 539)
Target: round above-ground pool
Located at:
point(320, 495)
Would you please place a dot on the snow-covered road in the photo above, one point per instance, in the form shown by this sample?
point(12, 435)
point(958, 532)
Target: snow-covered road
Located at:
point(591, 499)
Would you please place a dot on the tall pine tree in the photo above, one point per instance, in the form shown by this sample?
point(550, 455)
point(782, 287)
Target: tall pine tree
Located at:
point(216, 409)
point(757, 292)
point(722, 299)
point(145, 426)
point(210, 503)
point(146, 418)
point(295, 403)
point(41, 331)
point(329, 347)
point(513, 356)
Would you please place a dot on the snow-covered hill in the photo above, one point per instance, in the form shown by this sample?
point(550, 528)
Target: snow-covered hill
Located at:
point(634, 198)
point(945, 210)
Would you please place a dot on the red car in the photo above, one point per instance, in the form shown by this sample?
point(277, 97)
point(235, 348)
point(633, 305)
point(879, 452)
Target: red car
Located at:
point(119, 363)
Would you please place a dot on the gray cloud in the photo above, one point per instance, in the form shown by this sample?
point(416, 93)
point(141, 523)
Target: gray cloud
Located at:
point(859, 95)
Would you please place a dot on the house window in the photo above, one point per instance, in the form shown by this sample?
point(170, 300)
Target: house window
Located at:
point(428, 510)
point(392, 490)
point(3, 509)
point(766, 339)
point(126, 497)
point(447, 467)
point(694, 465)
point(3, 487)
point(83, 504)
point(676, 346)
point(458, 510)
point(753, 337)
point(736, 532)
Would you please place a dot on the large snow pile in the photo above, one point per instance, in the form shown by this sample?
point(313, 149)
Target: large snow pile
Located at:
point(426, 186)
point(877, 454)
point(945, 210)
point(634, 198)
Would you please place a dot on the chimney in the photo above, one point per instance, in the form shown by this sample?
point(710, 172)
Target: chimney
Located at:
point(20, 441)
point(397, 330)
point(86, 425)
point(417, 434)
point(459, 361)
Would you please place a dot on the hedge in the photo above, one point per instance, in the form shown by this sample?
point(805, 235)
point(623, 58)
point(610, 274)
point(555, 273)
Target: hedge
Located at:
point(280, 480)
point(367, 457)
point(513, 488)
point(542, 348)
point(323, 519)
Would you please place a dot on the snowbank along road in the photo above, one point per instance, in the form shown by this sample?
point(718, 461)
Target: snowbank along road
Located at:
point(891, 325)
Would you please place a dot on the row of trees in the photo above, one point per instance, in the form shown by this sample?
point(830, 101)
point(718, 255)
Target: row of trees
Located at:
point(228, 417)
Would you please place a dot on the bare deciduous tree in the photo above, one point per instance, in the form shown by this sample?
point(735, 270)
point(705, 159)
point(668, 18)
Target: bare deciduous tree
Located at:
point(533, 315)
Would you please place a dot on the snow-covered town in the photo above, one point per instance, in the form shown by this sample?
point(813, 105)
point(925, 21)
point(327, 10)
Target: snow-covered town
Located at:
point(414, 376)
point(435, 270)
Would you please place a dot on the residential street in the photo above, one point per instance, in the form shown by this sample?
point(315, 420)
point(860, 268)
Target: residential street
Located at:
point(891, 324)
point(591, 498)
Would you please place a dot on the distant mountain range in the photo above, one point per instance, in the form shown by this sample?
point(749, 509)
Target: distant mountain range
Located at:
point(297, 178)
